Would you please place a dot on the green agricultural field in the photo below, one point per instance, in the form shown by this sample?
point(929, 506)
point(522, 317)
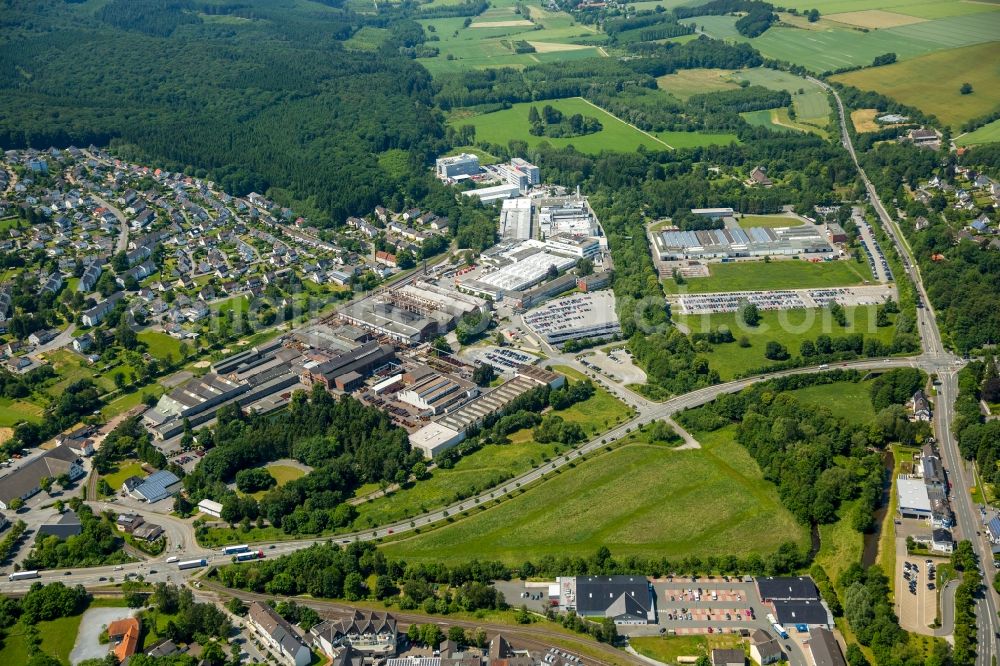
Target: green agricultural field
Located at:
point(812, 107)
point(13, 412)
point(834, 48)
point(687, 82)
point(367, 39)
point(696, 139)
point(490, 465)
point(931, 82)
point(989, 133)
point(788, 327)
point(848, 400)
point(921, 8)
point(786, 274)
point(640, 499)
point(481, 44)
point(501, 127)
point(666, 4)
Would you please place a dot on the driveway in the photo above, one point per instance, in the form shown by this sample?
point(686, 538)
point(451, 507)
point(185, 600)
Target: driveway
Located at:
point(94, 620)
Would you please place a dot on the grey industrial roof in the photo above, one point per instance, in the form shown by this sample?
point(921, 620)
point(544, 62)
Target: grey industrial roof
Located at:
point(825, 649)
point(801, 612)
point(596, 594)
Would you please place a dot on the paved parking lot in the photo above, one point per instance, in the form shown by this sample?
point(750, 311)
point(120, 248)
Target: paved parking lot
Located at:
point(917, 609)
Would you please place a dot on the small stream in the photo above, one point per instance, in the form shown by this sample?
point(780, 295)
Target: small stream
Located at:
point(870, 550)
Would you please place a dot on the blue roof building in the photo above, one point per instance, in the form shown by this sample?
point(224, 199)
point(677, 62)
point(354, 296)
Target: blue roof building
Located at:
point(157, 486)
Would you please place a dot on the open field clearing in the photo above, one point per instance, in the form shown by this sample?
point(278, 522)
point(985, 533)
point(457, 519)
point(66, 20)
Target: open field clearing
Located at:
point(848, 400)
point(57, 637)
point(696, 139)
point(551, 47)
point(502, 126)
point(790, 274)
point(160, 344)
point(13, 412)
point(828, 50)
point(864, 120)
point(931, 82)
point(687, 82)
point(788, 327)
point(873, 19)
point(718, 504)
point(666, 4)
point(812, 108)
point(989, 133)
point(517, 23)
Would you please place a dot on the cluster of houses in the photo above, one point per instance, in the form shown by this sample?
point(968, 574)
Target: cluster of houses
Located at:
point(973, 193)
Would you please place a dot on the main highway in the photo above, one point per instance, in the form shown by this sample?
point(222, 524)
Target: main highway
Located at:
point(934, 358)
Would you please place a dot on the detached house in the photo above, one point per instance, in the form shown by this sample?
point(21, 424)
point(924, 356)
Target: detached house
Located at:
point(277, 634)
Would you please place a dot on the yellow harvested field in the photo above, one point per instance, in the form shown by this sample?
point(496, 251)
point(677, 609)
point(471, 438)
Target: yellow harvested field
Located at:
point(502, 24)
point(864, 120)
point(552, 47)
point(873, 19)
point(686, 82)
point(6, 434)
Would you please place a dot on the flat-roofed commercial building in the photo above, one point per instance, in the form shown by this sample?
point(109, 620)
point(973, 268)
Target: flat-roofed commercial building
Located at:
point(913, 499)
point(465, 164)
point(520, 173)
point(495, 193)
point(734, 242)
point(585, 247)
point(568, 216)
point(436, 393)
point(591, 315)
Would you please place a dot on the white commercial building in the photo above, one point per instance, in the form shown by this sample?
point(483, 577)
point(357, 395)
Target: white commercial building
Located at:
point(495, 193)
point(210, 508)
point(515, 219)
point(591, 315)
point(520, 173)
point(518, 276)
point(448, 168)
point(580, 246)
point(913, 499)
point(435, 438)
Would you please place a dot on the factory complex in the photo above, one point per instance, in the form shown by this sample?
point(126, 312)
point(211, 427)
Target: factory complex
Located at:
point(589, 316)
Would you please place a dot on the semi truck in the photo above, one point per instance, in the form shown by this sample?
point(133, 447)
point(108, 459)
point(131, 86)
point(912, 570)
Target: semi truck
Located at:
point(249, 556)
point(23, 575)
point(779, 630)
point(192, 564)
point(232, 550)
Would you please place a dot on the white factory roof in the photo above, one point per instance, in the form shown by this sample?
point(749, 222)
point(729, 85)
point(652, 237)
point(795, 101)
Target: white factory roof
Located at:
point(515, 218)
point(527, 272)
point(913, 494)
point(487, 194)
point(435, 437)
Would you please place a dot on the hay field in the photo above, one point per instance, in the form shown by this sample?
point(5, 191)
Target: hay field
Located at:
point(874, 19)
point(931, 83)
point(687, 82)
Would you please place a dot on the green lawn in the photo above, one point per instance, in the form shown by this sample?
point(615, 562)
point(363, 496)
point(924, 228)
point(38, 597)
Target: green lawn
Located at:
point(640, 499)
point(696, 139)
point(931, 82)
point(124, 470)
point(785, 274)
point(57, 637)
point(160, 344)
point(13, 412)
point(667, 649)
point(848, 400)
point(282, 474)
point(490, 465)
point(788, 327)
point(989, 133)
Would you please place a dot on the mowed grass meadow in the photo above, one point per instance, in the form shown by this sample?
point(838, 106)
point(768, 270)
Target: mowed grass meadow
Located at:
point(787, 274)
point(501, 127)
point(931, 83)
point(836, 47)
point(640, 499)
point(989, 133)
point(788, 327)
